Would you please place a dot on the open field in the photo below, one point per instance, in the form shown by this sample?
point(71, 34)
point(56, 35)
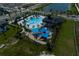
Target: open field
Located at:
point(4, 37)
point(24, 48)
point(65, 43)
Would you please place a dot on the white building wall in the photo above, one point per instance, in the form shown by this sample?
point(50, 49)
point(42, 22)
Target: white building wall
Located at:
point(21, 23)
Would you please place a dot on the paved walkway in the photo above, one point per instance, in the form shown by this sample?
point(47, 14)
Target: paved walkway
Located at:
point(34, 39)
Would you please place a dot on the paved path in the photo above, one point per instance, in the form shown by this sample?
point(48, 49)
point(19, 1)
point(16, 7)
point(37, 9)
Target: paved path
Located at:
point(34, 39)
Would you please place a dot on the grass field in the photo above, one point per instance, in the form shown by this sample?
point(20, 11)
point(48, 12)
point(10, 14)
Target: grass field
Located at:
point(24, 48)
point(65, 42)
point(4, 37)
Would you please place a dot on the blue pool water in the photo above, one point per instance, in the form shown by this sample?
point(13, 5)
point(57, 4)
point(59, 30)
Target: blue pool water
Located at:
point(38, 32)
point(42, 32)
point(34, 21)
point(59, 7)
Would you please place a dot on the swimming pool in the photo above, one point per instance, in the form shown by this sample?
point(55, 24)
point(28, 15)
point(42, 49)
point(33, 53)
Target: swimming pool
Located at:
point(34, 21)
point(41, 32)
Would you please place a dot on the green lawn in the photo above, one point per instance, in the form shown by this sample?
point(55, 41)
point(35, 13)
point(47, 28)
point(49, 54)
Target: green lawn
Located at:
point(24, 48)
point(65, 42)
point(4, 38)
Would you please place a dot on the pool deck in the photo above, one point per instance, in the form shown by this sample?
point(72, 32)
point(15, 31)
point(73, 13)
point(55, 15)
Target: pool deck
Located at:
point(34, 39)
point(43, 31)
point(34, 21)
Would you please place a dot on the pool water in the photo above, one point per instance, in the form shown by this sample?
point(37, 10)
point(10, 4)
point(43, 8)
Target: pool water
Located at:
point(41, 32)
point(34, 21)
point(37, 31)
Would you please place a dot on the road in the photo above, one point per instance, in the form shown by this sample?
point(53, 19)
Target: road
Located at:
point(77, 6)
point(71, 17)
